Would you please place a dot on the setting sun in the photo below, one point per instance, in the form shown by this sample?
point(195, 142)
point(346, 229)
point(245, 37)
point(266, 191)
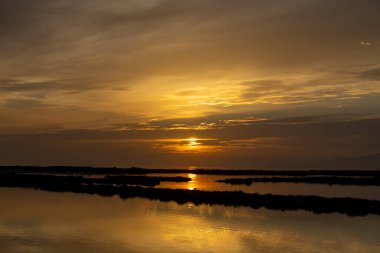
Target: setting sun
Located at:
point(193, 141)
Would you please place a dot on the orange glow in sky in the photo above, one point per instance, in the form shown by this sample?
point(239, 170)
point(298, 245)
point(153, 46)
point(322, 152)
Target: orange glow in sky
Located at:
point(188, 145)
point(256, 84)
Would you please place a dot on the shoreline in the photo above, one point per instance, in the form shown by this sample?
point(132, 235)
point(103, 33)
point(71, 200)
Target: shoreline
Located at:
point(143, 171)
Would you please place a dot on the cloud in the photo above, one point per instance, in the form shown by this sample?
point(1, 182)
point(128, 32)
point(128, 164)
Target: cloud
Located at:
point(371, 75)
point(76, 37)
point(45, 86)
point(268, 143)
point(23, 103)
point(227, 70)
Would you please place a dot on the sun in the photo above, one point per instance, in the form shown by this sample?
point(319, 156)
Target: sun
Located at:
point(193, 141)
point(190, 145)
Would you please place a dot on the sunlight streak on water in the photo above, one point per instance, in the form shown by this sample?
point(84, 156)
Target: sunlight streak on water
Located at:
point(192, 184)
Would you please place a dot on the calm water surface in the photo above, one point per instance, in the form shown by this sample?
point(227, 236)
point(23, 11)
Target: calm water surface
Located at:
point(207, 182)
point(38, 221)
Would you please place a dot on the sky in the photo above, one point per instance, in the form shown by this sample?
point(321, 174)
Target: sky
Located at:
point(176, 84)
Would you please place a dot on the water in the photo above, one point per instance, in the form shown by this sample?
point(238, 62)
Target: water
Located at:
point(38, 221)
point(207, 182)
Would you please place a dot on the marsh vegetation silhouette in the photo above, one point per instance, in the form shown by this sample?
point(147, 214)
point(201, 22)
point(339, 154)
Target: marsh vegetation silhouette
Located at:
point(125, 188)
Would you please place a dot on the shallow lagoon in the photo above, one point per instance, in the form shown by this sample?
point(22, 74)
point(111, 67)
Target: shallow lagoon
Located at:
point(38, 221)
point(207, 182)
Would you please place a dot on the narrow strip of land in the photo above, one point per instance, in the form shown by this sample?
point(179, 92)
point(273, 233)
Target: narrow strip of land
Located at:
point(69, 180)
point(142, 171)
point(363, 181)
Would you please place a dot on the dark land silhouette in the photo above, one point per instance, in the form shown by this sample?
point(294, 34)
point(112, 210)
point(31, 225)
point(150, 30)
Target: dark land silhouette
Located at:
point(330, 180)
point(107, 180)
point(121, 186)
point(142, 171)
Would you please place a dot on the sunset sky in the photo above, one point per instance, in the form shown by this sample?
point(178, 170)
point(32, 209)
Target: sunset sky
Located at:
point(180, 83)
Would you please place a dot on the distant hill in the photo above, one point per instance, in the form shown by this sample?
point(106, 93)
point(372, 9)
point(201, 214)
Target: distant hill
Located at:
point(370, 162)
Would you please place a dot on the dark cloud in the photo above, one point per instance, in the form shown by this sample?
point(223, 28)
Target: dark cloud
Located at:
point(7, 85)
point(371, 75)
point(44, 34)
point(19, 86)
point(23, 104)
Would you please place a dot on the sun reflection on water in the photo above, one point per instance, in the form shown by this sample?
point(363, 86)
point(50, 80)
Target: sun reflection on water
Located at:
point(191, 185)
